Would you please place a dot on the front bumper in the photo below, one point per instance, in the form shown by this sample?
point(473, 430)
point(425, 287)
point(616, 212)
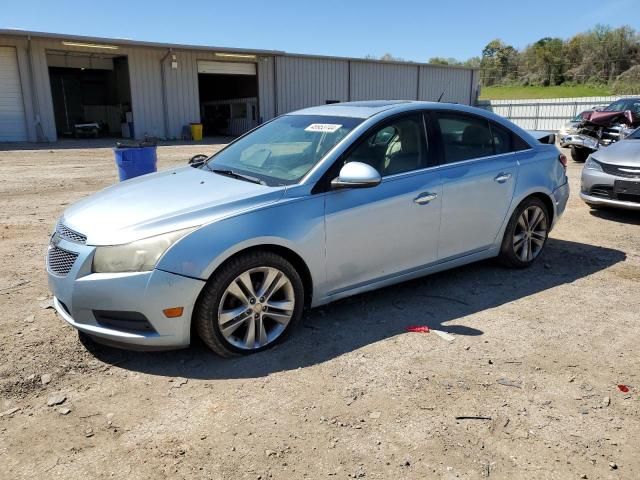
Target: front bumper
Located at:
point(605, 202)
point(597, 188)
point(578, 140)
point(80, 293)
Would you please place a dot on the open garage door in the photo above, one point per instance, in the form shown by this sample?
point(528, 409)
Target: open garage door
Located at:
point(91, 94)
point(228, 93)
point(13, 124)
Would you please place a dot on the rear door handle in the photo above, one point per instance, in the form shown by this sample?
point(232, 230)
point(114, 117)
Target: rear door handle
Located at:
point(502, 177)
point(425, 198)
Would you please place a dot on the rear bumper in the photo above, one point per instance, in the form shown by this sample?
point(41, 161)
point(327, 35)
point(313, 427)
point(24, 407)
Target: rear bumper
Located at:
point(560, 197)
point(80, 293)
point(604, 202)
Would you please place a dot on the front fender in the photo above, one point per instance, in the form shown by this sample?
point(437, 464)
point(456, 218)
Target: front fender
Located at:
point(296, 224)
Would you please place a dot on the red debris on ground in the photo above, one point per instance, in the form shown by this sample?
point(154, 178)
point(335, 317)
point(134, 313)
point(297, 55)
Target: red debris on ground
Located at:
point(418, 329)
point(623, 388)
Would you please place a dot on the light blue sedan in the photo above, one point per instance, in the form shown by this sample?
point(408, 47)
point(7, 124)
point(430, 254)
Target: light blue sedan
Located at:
point(311, 207)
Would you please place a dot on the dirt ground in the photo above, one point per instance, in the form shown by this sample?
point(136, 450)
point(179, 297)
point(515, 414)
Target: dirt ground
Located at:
point(538, 352)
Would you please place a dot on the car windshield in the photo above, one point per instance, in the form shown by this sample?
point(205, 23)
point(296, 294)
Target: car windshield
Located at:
point(282, 151)
point(632, 104)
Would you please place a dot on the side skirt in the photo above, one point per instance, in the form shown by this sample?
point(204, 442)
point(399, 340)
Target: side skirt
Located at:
point(404, 276)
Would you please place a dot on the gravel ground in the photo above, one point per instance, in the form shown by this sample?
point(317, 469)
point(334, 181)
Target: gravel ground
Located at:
point(539, 353)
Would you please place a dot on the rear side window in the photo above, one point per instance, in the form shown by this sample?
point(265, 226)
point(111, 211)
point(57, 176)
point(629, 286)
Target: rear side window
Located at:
point(519, 144)
point(505, 141)
point(464, 137)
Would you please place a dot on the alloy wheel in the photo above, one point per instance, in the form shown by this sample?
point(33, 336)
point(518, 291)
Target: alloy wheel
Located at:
point(530, 233)
point(256, 308)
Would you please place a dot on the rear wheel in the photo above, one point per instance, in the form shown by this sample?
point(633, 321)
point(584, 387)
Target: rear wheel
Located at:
point(251, 304)
point(579, 154)
point(526, 234)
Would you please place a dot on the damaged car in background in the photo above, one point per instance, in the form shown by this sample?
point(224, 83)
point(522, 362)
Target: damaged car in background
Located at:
point(600, 128)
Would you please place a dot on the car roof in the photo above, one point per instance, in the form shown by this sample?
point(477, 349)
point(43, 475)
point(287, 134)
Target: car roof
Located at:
point(367, 109)
point(363, 109)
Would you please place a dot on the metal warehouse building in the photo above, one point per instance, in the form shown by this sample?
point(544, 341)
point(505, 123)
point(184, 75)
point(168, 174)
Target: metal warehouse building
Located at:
point(54, 85)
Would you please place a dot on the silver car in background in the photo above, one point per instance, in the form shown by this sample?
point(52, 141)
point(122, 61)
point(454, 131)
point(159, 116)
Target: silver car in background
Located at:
point(311, 207)
point(611, 176)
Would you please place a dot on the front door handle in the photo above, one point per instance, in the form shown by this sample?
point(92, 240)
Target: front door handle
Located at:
point(425, 198)
point(502, 177)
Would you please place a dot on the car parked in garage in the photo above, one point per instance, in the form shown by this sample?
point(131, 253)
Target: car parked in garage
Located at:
point(311, 207)
point(611, 176)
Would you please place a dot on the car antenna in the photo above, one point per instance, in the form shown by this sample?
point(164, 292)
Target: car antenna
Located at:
point(441, 95)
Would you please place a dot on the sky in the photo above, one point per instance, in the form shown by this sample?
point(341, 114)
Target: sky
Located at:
point(411, 29)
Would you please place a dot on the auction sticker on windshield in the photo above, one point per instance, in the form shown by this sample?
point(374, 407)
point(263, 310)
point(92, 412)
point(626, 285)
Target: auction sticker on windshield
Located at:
point(322, 127)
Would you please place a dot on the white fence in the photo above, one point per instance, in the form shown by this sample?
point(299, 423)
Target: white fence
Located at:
point(545, 114)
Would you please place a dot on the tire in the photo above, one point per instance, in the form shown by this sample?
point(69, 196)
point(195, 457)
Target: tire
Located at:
point(233, 319)
point(513, 252)
point(579, 155)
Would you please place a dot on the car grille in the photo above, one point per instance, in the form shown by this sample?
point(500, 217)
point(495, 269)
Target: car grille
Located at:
point(60, 261)
point(68, 234)
point(607, 191)
point(618, 170)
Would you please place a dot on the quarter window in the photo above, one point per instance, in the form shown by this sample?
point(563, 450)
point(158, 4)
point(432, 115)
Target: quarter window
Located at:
point(502, 142)
point(397, 147)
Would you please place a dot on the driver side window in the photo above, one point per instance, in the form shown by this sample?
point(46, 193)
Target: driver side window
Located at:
point(396, 147)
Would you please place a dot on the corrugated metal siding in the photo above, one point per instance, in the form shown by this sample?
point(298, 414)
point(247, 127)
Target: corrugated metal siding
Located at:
point(455, 83)
point(183, 104)
point(146, 92)
point(302, 81)
point(305, 82)
point(266, 91)
point(380, 81)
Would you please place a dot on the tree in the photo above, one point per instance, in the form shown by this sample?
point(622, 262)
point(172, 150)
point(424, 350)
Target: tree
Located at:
point(387, 57)
point(498, 62)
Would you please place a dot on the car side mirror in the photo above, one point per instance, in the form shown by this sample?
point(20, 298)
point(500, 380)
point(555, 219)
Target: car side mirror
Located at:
point(198, 160)
point(356, 175)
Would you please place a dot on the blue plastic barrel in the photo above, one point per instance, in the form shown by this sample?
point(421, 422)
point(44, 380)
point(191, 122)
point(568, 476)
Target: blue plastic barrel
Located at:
point(135, 161)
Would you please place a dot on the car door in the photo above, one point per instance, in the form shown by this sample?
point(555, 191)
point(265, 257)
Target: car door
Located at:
point(479, 172)
point(378, 232)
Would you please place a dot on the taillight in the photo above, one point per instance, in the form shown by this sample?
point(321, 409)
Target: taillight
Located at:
point(562, 158)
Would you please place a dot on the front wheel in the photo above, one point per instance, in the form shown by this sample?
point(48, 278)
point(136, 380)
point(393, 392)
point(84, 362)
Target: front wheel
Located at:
point(579, 154)
point(526, 234)
point(250, 304)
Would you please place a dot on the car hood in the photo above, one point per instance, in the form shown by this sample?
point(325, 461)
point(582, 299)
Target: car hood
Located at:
point(624, 152)
point(163, 202)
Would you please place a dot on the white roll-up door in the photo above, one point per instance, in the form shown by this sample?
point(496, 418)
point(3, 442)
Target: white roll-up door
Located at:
point(13, 125)
point(228, 68)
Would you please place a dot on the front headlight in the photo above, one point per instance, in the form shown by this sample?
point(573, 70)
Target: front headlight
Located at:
point(139, 256)
point(592, 164)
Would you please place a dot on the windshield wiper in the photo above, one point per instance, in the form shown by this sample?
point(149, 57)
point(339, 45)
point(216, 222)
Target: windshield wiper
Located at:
point(239, 176)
